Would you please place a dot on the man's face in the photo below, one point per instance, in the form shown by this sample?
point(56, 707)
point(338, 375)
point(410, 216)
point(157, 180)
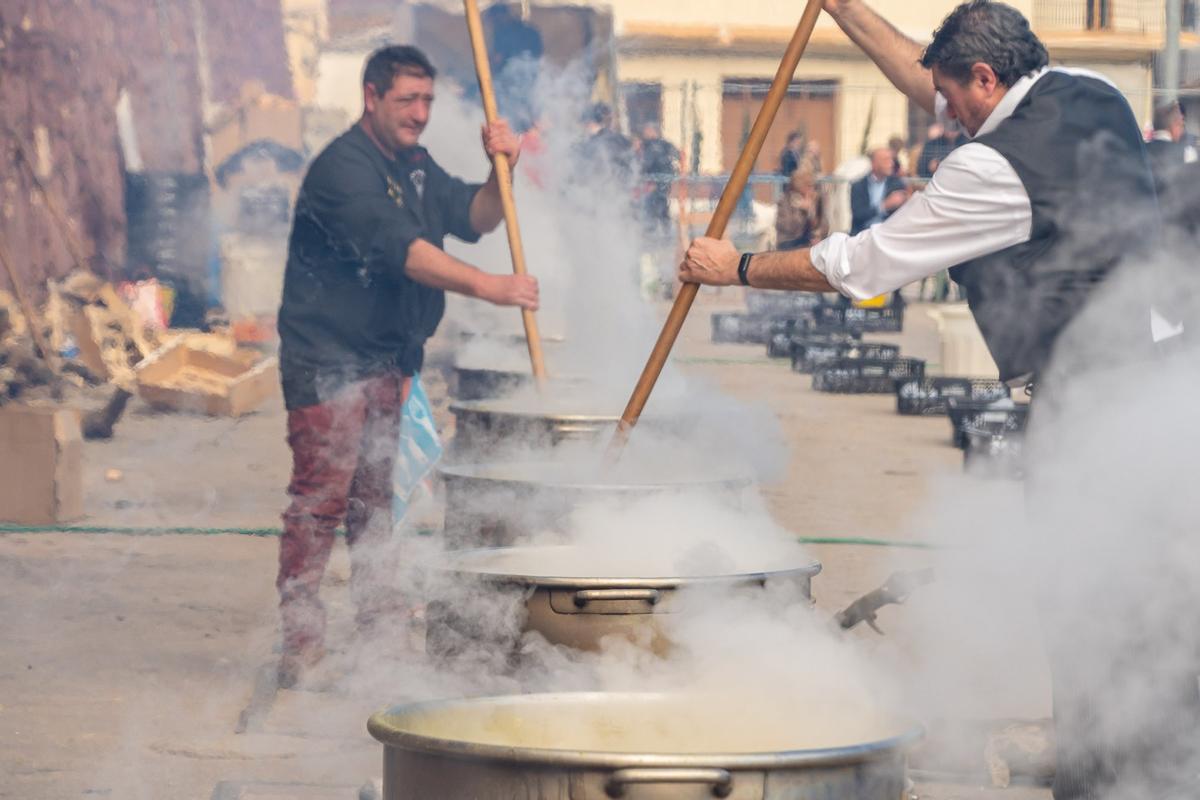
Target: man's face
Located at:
point(399, 117)
point(972, 102)
point(882, 162)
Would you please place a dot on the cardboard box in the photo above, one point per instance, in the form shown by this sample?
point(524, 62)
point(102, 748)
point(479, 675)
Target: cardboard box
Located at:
point(221, 343)
point(181, 377)
point(41, 472)
point(257, 115)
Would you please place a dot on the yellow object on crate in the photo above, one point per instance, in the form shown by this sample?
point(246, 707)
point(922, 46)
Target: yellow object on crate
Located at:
point(166, 296)
point(874, 302)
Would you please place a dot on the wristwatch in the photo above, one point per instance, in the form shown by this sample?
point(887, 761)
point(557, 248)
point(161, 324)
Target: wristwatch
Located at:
point(743, 266)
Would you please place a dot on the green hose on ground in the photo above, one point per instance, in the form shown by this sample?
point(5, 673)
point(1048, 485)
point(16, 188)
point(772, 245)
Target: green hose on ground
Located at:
point(152, 531)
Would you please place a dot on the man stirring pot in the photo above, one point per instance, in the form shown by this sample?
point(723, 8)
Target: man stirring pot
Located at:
point(1032, 217)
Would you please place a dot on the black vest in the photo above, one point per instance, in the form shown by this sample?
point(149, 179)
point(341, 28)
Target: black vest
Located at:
point(1076, 146)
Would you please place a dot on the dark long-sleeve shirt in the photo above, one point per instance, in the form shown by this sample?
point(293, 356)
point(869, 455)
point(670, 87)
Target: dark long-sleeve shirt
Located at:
point(349, 310)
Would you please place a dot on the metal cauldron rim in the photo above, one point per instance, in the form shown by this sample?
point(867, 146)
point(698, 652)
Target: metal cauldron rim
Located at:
point(487, 406)
point(811, 568)
point(571, 378)
point(477, 471)
point(388, 734)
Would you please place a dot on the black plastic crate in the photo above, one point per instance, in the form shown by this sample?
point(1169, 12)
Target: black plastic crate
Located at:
point(931, 396)
point(775, 303)
point(780, 331)
point(984, 418)
point(779, 345)
point(865, 375)
point(877, 320)
point(783, 345)
point(808, 355)
point(994, 455)
point(807, 328)
point(733, 327)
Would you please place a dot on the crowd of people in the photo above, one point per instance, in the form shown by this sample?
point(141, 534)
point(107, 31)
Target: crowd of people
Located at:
point(896, 170)
point(647, 166)
point(644, 167)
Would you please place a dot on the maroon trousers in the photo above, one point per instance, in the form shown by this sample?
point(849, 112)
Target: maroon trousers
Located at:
point(343, 451)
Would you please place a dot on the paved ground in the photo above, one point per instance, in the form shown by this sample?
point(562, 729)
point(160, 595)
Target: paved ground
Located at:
point(128, 661)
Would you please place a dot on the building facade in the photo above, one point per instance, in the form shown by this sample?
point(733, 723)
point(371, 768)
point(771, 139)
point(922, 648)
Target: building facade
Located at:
point(702, 67)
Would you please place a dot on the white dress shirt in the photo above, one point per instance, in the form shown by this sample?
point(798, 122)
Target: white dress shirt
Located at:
point(974, 205)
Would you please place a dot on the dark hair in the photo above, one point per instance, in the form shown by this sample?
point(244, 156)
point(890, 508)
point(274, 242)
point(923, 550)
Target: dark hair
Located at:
point(600, 113)
point(983, 31)
point(1167, 113)
point(398, 59)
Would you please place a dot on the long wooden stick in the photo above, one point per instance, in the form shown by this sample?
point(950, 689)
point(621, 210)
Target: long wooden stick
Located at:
point(483, 70)
point(716, 228)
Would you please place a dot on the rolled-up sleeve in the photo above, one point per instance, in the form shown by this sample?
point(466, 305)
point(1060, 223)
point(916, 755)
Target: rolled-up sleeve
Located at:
point(456, 197)
point(974, 205)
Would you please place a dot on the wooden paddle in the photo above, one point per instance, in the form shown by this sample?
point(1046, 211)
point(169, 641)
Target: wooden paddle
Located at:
point(716, 228)
point(483, 70)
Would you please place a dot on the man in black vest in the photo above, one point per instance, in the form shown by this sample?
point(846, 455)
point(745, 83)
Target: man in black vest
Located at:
point(1032, 216)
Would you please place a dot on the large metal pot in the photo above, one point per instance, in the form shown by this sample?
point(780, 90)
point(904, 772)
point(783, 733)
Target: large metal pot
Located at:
point(592, 746)
point(501, 368)
point(514, 339)
point(487, 383)
point(483, 427)
point(577, 595)
point(481, 383)
point(497, 503)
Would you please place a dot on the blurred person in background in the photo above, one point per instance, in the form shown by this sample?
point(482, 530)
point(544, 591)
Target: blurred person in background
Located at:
point(364, 288)
point(878, 194)
point(605, 156)
point(1034, 234)
point(940, 142)
point(812, 155)
point(899, 157)
point(792, 153)
point(659, 164)
point(1168, 148)
point(800, 219)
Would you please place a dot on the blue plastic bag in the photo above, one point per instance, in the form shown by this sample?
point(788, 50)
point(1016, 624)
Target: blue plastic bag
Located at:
point(420, 449)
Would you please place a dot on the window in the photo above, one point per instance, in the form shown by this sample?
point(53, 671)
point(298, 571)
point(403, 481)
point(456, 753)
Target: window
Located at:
point(1099, 14)
point(643, 104)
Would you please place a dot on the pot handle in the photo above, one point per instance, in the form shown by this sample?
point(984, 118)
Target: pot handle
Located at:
point(579, 430)
point(721, 779)
point(585, 596)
